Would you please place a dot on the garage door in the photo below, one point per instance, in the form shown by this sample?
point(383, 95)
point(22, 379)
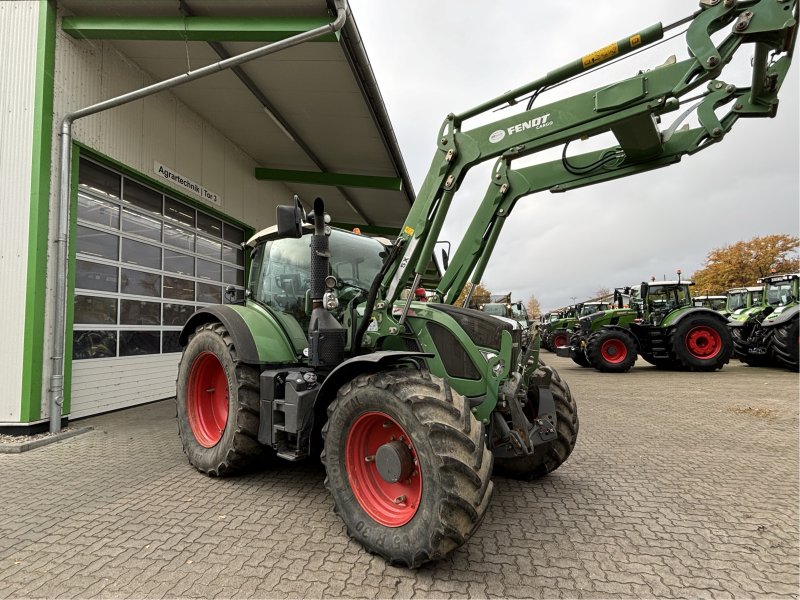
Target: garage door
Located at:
point(145, 261)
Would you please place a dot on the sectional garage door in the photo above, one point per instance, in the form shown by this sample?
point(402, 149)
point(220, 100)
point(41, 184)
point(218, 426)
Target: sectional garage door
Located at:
point(145, 261)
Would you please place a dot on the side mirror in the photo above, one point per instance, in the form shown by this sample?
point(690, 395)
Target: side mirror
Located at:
point(643, 291)
point(290, 220)
point(445, 259)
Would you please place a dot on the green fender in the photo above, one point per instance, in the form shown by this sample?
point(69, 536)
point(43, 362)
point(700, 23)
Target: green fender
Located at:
point(676, 316)
point(259, 338)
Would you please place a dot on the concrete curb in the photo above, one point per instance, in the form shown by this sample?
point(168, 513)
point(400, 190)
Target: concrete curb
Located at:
point(33, 444)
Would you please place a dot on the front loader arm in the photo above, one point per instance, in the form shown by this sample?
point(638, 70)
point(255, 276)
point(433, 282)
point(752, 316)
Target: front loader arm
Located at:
point(628, 108)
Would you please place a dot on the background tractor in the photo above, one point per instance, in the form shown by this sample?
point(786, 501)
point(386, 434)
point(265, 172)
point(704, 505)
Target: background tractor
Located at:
point(766, 334)
point(503, 306)
point(661, 325)
point(717, 303)
point(556, 332)
point(411, 405)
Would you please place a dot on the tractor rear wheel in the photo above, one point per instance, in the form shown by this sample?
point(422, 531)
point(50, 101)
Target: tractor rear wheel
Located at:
point(700, 343)
point(611, 350)
point(547, 457)
point(218, 403)
point(579, 356)
point(407, 465)
point(785, 344)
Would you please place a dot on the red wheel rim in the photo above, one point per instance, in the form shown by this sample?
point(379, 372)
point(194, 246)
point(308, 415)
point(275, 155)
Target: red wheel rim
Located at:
point(560, 340)
point(390, 504)
point(614, 351)
point(703, 342)
point(207, 400)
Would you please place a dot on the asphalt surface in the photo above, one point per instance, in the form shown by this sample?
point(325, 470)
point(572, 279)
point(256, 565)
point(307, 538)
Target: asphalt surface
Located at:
point(681, 485)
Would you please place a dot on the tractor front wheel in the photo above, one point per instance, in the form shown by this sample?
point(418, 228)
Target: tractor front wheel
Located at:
point(578, 356)
point(700, 343)
point(407, 465)
point(546, 457)
point(785, 341)
point(217, 400)
point(611, 350)
point(560, 337)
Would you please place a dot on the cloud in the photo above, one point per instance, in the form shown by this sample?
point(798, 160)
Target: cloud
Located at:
point(432, 58)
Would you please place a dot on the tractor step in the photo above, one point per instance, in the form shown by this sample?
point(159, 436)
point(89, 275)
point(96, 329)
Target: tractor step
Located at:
point(290, 456)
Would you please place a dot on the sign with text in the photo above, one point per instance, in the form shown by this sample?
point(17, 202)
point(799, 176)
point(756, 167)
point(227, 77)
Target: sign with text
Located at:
point(186, 183)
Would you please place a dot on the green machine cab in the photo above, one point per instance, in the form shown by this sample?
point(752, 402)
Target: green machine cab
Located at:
point(410, 405)
point(740, 300)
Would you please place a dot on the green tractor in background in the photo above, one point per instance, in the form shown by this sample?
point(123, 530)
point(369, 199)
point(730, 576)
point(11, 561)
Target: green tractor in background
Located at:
point(556, 332)
point(661, 324)
point(740, 300)
point(766, 334)
point(412, 405)
point(504, 306)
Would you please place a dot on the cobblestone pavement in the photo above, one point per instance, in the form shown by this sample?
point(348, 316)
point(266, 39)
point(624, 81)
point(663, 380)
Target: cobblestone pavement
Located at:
point(681, 485)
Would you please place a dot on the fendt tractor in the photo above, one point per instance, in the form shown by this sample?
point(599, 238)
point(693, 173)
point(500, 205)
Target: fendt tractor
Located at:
point(766, 334)
point(661, 325)
point(413, 405)
point(556, 332)
point(743, 299)
point(503, 306)
point(717, 303)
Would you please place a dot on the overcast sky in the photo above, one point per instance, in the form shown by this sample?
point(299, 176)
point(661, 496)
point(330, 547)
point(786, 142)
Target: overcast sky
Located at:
point(432, 58)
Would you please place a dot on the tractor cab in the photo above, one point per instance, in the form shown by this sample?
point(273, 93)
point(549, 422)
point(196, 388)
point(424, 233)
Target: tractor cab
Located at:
point(780, 293)
point(742, 299)
point(589, 308)
point(660, 298)
point(717, 303)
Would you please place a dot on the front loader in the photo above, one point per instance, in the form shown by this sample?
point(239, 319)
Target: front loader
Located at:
point(413, 405)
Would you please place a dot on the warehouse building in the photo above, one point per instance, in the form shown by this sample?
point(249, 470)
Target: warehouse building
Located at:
point(164, 190)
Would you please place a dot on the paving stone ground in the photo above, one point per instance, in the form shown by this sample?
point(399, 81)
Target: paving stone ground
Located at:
point(681, 485)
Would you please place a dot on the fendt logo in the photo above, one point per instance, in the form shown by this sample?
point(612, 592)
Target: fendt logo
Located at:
point(537, 123)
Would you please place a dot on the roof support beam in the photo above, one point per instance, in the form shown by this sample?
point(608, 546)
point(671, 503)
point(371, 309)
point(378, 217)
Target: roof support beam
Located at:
point(335, 179)
point(194, 29)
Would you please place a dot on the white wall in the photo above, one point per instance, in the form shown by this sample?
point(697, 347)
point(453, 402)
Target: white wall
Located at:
point(159, 128)
point(18, 44)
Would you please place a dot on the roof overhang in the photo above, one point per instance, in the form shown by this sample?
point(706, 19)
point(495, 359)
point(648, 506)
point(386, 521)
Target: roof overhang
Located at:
point(311, 116)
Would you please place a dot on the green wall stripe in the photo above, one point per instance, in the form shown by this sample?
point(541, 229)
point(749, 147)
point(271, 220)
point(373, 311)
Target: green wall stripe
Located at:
point(194, 29)
point(343, 179)
point(33, 343)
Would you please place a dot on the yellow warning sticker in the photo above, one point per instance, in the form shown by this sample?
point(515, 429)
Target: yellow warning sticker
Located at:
point(601, 55)
point(408, 231)
point(635, 40)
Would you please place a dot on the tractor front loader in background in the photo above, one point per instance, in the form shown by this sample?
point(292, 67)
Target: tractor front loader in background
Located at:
point(413, 405)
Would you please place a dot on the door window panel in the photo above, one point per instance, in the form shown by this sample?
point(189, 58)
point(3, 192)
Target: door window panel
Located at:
point(209, 270)
point(232, 234)
point(138, 312)
point(209, 294)
point(208, 248)
point(98, 211)
point(94, 344)
point(233, 255)
point(209, 224)
point(97, 243)
point(93, 310)
point(175, 262)
point(177, 314)
point(177, 211)
point(142, 197)
point(94, 276)
point(170, 343)
point(141, 254)
point(93, 176)
point(141, 225)
point(233, 276)
point(137, 343)
point(140, 283)
point(179, 238)
point(176, 288)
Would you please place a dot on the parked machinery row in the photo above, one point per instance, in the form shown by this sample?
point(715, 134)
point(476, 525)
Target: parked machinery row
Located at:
point(662, 323)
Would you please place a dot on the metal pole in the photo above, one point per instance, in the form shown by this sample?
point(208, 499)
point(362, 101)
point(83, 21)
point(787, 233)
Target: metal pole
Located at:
point(56, 394)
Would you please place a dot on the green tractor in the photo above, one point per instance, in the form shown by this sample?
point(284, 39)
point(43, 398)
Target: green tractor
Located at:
point(503, 306)
point(661, 324)
point(413, 406)
point(766, 334)
point(556, 332)
point(740, 300)
point(717, 303)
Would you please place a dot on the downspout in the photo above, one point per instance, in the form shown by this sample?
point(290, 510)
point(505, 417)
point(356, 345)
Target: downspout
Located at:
point(56, 394)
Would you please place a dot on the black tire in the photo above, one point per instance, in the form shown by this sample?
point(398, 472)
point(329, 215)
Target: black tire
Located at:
point(578, 357)
point(237, 450)
point(695, 335)
point(454, 464)
point(611, 350)
point(547, 457)
point(740, 345)
point(785, 346)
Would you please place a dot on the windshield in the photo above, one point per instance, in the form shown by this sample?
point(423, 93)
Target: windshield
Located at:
point(497, 310)
point(280, 277)
point(756, 298)
point(590, 309)
point(736, 300)
point(779, 293)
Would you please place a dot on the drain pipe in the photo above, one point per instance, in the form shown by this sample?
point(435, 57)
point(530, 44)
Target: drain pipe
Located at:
point(56, 393)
